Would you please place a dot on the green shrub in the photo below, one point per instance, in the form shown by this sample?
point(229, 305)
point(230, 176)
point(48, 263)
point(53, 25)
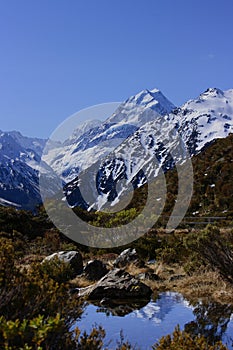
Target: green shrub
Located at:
point(181, 340)
point(172, 249)
point(7, 262)
point(146, 246)
point(56, 269)
point(193, 264)
point(93, 341)
point(29, 292)
point(167, 255)
point(211, 247)
point(38, 333)
point(51, 333)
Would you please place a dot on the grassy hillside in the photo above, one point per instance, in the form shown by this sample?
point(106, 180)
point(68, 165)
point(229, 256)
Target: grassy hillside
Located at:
point(212, 190)
point(213, 179)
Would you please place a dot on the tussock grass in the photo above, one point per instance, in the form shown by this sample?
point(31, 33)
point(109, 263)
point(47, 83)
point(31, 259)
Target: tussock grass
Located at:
point(134, 270)
point(80, 282)
point(203, 283)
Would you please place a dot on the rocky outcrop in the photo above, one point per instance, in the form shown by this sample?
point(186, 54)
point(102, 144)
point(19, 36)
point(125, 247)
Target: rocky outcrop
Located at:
point(94, 270)
point(117, 284)
point(74, 258)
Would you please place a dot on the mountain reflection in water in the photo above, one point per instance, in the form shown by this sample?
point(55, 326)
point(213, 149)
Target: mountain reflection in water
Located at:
point(144, 324)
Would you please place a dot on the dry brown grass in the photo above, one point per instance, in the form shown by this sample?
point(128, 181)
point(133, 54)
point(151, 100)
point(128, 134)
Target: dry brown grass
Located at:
point(80, 282)
point(134, 270)
point(206, 285)
point(166, 273)
point(201, 284)
point(31, 258)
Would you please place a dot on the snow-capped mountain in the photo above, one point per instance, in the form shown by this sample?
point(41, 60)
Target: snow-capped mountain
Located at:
point(97, 139)
point(206, 118)
point(145, 134)
point(20, 166)
point(160, 143)
point(35, 144)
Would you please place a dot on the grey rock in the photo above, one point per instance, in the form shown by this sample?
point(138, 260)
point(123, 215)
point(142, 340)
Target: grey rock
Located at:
point(117, 284)
point(95, 269)
point(126, 257)
point(74, 258)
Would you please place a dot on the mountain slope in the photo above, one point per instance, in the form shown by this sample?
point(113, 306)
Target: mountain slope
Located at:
point(213, 182)
point(213, 179)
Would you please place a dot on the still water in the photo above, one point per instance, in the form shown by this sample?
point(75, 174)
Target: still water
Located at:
point(144, 325)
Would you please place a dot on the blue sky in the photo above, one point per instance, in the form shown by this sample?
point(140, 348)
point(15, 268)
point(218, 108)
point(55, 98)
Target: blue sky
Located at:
point(57, 56)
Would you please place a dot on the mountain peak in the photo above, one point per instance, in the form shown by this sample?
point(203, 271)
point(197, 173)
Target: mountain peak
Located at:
point(142, 107)
point(213, 99)
point(145, 96)
point(213, 92)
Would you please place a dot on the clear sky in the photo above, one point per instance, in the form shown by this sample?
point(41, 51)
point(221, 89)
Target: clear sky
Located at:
point(58, 56)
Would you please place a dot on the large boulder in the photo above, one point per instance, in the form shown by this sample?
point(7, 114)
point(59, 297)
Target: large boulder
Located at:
point(73, 258)
point(94, 270)
point(117, 284)
point(126, 257)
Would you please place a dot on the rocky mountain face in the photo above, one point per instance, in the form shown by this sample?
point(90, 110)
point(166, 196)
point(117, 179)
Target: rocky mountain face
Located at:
point(147, 134)
point(20, 159)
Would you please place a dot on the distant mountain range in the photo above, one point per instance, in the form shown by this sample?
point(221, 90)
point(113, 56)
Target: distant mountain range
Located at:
point(140, 132)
